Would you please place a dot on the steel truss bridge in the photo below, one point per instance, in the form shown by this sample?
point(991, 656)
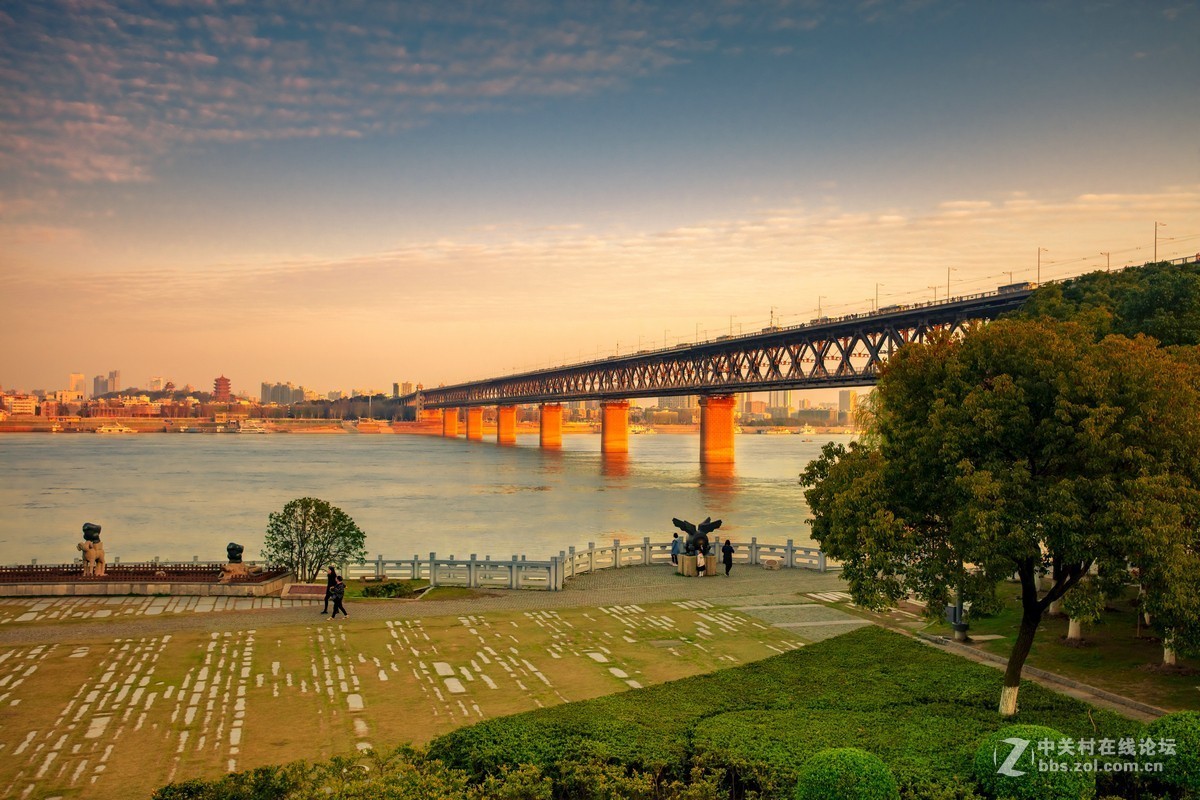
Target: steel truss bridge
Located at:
point(846, 351)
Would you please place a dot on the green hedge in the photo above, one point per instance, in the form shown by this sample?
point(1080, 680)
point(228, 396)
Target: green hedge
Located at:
point(922, 711)
point(1026, 778)
point(846, 773)
point(390, 589)
point(1181, 769)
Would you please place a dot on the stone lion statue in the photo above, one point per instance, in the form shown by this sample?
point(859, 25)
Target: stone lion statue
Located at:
point(235, 569)
point(93, 551)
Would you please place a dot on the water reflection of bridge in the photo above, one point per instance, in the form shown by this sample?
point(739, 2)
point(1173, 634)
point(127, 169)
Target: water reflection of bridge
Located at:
point(839, 352)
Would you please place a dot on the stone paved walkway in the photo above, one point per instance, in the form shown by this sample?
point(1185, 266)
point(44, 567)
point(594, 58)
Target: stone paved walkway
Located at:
point(62, 620)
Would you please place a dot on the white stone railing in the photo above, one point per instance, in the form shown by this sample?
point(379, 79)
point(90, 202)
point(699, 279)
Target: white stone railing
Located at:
point(520, 573)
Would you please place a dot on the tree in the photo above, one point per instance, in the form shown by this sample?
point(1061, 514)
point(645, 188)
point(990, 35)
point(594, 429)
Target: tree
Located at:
point(1166, 515)
point(310, 534)
point(1027, 448)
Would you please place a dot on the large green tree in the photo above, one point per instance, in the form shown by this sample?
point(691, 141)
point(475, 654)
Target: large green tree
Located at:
point(1026, 447)
point(309, 534)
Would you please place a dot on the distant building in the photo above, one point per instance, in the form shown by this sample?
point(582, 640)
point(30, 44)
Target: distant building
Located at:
point(114, 380)
point(406, 388)
point(156, 384)
point(22, 405)
point(678, 402)
point(221, 390)
point(75, 383)
point(847, 406)
point(99, 385)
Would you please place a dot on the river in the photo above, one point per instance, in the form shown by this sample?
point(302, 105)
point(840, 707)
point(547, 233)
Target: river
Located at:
point(176, 496)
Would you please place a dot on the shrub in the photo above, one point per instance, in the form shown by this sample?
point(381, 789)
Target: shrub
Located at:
point(390, 589)
point(1181, 770)
point(1026, 781)
point(846, 773)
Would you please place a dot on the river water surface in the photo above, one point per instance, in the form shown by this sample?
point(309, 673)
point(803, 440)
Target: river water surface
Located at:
point(176, 496)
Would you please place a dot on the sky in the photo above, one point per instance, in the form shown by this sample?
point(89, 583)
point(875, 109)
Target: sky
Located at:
point(352, 194)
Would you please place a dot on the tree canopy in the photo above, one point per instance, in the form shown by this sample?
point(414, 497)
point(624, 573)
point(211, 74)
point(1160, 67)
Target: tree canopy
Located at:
point(310, 534)
point(1159, 300)
point(1027, 447)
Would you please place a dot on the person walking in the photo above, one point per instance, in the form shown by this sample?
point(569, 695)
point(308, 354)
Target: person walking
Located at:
point(675, 550)
point(330, 582)
point(727, 557)
point(337, 593)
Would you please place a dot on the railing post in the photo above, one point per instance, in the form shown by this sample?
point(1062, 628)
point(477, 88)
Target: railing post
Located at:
point(790, 554)
point(471, 573)
point(645, 551)
point(433, 570)
point(513, 581)
point(378, 566)
point(754, 551)
point(571, 551)
point(591, 557)
point(616, 553)
point(416, 567)
point(820, 561)
point(552, 578)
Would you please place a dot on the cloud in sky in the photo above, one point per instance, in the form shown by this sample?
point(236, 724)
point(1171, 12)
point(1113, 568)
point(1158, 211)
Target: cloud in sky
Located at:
point(527, 297)
point(98, 90)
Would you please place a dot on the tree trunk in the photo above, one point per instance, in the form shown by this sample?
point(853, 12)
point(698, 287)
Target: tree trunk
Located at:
point(1030, 619)
point(1056, 608)
point(1074, 630)
point(1008, 701)
point(1169, 650)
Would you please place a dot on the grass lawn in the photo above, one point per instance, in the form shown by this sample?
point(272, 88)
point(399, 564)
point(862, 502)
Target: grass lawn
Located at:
point(1113, 658)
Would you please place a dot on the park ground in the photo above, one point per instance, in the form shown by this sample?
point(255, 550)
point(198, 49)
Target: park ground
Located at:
point(113, 697)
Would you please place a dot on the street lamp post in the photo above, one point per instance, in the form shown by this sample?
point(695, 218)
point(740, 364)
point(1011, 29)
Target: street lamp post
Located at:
point(948, 271)
point(934, 292)
point(1157, 225)
point(820, 297)
point(1039, 268)
point(1107, 261)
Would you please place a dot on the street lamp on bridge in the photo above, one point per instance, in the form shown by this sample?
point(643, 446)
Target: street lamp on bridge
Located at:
point(1039, 267)
point(1157, 225)
point(1107, 261)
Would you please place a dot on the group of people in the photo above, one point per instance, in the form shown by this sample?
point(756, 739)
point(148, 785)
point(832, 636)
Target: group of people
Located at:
point(702, 553)
point(335, 590)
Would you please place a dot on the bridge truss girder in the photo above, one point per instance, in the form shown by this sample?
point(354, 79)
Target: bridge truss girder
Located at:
point(845, 352)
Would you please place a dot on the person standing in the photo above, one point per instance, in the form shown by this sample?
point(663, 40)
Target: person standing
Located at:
point(727, 557)
point(675, 550)
point(337, 593)
point(330, 582)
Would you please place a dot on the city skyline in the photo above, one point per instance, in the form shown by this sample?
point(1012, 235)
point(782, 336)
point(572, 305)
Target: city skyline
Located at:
point(451, 192)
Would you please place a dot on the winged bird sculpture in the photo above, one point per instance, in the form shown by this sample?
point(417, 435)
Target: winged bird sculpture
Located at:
point(697, 539)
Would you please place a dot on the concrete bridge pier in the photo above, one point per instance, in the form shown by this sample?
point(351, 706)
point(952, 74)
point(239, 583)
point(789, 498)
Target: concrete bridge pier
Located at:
point(475, 423)
point(431, 415)
point(716, 429)
point(614, 426)
point(551, 426)
point(506, 425)
point(450, 423)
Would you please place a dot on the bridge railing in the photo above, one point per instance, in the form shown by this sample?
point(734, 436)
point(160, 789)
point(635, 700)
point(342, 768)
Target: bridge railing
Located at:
point(551, 574)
